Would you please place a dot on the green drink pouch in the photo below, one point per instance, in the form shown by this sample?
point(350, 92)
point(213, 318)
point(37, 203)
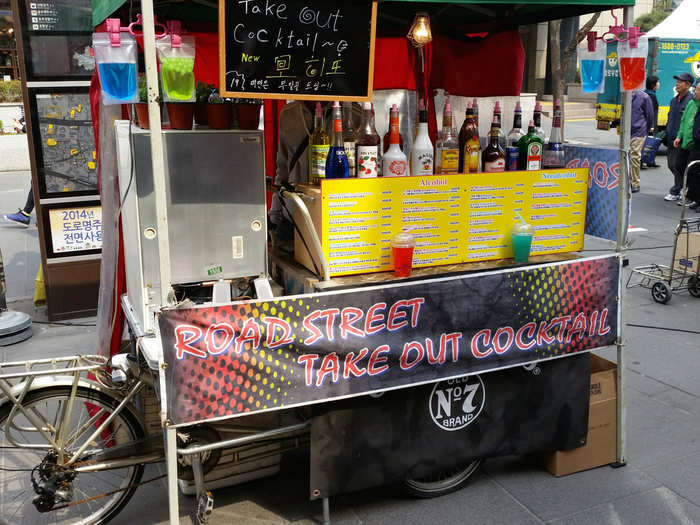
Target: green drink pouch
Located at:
point(177, 68)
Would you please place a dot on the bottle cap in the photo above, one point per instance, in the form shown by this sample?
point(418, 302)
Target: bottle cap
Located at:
point(517, 106)
point(470, 105)
point(336, 104)
point(532, 123)
point(319, 112)
point(538, 106)
point(366, 105)
point(558, 103)
point(475, 104)
point(497, 107)
point(448, 107)
point(394, 108)
point(421, 105)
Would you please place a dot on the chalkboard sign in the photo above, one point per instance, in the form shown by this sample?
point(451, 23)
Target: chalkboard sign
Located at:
point(298, 49)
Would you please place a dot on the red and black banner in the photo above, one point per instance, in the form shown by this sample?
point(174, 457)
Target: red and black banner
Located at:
point(260, 355)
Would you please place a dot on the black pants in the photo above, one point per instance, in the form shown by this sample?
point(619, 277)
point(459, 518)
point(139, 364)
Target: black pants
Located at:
point(677, 159)
point(29, 205)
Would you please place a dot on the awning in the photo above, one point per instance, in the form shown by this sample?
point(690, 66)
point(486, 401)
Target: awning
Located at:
point(452, 15)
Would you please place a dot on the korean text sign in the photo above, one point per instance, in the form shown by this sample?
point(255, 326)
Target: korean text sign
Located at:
point(311, 49)
point(76, 229)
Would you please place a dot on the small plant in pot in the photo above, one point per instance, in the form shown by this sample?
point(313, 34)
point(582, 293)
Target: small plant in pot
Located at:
point(248, 112)
point(142, 105)
point(181, 114)
point(219, 112)
point(203, 91)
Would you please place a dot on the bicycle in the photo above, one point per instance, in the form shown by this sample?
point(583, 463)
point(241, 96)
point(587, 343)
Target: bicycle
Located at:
point(73, 446)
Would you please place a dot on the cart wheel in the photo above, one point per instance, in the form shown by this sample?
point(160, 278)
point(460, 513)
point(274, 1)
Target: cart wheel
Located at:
point(442, 482)
point(660, 292)
point(694, 286)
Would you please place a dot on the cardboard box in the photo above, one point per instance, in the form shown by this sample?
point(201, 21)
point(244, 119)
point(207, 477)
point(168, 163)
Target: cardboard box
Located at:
point(311, 195)
point(601, 442)
point(687, 255)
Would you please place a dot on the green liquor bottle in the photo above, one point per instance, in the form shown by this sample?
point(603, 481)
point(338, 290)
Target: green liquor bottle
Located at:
point(530, 148)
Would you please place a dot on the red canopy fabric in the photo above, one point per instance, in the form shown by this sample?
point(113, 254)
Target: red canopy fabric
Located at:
point(489, 67)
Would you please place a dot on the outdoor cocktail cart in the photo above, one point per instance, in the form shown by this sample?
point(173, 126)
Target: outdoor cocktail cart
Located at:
point(358, 340)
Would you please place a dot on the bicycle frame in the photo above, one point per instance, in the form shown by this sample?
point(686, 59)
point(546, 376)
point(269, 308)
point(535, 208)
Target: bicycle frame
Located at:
point(17, 379)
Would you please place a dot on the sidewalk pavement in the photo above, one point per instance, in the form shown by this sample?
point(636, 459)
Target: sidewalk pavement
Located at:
point(659, 485)
point(14, 153)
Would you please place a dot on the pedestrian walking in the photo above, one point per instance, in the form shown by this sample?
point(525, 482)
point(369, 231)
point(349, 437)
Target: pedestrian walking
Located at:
point(677, 158)
point(642, 123)
point(685, 146)
point(23, 214)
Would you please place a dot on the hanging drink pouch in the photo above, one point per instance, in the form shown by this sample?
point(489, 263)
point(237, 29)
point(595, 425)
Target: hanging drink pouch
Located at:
point(177, 67)
point(116, 60)
point(592, 66)
point(632, 61)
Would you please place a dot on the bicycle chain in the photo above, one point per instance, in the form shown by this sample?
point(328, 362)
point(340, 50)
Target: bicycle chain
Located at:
point(86, 500)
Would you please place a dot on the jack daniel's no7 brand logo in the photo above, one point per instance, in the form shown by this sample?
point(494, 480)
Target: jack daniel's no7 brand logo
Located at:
point(456, 403)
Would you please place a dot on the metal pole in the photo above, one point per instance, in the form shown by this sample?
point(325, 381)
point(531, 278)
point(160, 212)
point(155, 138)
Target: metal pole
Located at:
point(158, 163)
point(171, 466)
point(623, 208)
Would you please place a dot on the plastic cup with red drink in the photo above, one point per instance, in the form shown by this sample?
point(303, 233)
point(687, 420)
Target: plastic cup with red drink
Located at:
point(402, 245)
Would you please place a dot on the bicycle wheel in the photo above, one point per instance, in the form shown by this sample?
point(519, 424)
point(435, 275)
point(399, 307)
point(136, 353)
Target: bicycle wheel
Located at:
point(442, 482)
point(21, 468)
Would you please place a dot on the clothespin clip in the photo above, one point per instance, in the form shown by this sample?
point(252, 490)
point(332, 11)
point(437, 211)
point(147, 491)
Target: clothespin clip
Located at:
point(592, 36)
point(114, 27)
point(175, 30)
point(633, 36)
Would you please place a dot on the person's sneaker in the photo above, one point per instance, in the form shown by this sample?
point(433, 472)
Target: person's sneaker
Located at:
point(688, 203)
point(672, 197)
point(635, 189)
point(18, 217)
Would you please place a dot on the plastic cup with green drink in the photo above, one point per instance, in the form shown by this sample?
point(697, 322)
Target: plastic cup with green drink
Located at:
point(521, 234)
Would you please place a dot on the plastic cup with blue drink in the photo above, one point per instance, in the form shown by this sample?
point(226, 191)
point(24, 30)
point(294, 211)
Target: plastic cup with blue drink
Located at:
point(521, 233)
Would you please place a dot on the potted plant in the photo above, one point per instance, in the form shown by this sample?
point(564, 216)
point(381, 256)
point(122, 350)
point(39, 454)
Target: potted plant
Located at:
point(181, 114)
point(203, 91)
point(248, 112)
point(142, 105)
point(219, 112)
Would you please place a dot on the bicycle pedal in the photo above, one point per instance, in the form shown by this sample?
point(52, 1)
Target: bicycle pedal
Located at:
point(205, 507)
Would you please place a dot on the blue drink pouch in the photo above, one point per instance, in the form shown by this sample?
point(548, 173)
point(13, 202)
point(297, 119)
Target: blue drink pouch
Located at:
point(116, 61)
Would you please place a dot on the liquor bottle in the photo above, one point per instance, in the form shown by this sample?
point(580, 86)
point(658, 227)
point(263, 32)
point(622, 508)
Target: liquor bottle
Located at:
point(463, 133)
point(483, 139)
point(493, 157)
point(319, 144)
point(349, 136)
point(514, 136)
point(448, 152)
point(530, 148)
point(387, 138)
point(394, 160)
point(554, 150)
point(537, 118)
point(337, 161)
point(501, 134)
point(368, 145)
point(470, 150)
point(422, 151)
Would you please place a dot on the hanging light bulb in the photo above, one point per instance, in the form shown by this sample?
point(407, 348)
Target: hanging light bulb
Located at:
point(420, 33)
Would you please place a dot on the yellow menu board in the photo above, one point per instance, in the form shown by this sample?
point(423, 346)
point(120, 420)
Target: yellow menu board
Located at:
point(455, 218)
